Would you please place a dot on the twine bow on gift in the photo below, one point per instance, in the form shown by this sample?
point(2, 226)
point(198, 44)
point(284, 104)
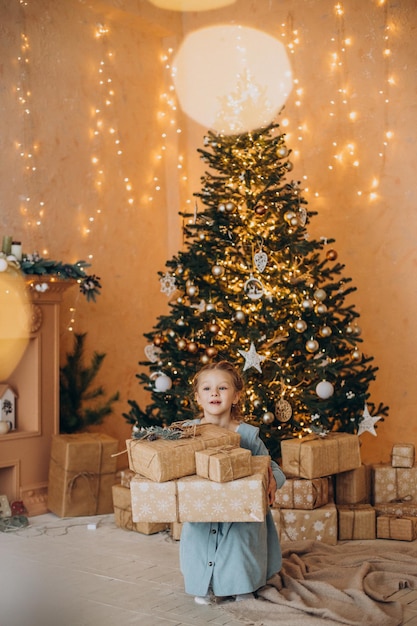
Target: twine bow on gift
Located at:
point(89, 477)
point(402, 500)
point(223, 451)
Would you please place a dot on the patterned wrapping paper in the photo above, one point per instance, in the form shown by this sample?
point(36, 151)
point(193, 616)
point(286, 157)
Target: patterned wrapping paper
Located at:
point(399, 528)
point(356, 522)
point(315, 524)
point(402, 455)
point(394, 484)
point(223, 464)
point(241, 500)
point(301, 493)
point(354, 486)
point(82, 472)
point(399, 509)
point(123, 513)
point(314, 456)
point(163, 460)
point(153, 502)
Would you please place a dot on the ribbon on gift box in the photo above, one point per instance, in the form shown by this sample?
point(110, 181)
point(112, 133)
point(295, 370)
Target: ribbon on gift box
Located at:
point(314, 437)
point(223, 451)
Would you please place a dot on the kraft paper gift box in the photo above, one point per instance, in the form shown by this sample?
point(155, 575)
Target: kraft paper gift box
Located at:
point(241, 500)
point(82, 472)
point(402, 455)
point(175, 529)
point(152, 501)
point(123, 513)
point(394, 484)
point(302, 493)
point(356, 521)
point(223, 464)
point(314, 456)
point(126, 476)
point(354, 486)
point(399, 528)
point(315, 524)
point(398, 509)
point(162, 460)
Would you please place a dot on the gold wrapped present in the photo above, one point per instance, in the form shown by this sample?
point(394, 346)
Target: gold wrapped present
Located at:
point(394, 484)
point(223, 464)
point(126, 476)
point(314, 456)
point(164, 459)
point(354, 486)
point(399, 528)
point(315, 524)
point(82, 472)
point(356, 521)
point(302, 493)
point(399, 509)
point(123, 513)
point(153, 502)
point(241, 500)
point(402, 455)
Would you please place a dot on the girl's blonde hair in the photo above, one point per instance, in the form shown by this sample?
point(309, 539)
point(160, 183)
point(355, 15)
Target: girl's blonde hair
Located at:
point(237, 381)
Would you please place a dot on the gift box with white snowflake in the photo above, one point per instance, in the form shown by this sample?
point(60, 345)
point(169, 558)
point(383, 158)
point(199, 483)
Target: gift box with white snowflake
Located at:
point(394, 484)
point(152, 501)
point(301, 493)
point(300, 525)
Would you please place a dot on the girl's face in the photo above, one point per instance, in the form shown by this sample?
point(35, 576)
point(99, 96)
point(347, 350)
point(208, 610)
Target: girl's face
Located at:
point(216, 394)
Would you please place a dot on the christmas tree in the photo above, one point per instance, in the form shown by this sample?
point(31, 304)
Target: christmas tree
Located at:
point(251, 286)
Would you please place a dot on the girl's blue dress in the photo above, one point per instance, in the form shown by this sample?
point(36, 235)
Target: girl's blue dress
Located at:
point(232, 558)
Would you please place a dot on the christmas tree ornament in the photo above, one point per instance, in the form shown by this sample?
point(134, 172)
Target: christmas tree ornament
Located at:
point(179, 270)
point(253, 288)
point(192, 347)
point(162, 382)
point(261, 209)
point(217, 271)
point(357, 330)
point(331, 255)
point(191, 290)
point(168, 284)
point(268, 417)
point(214, 328)
point(182, 344)
point(307, 304)
point(324, 390)
point(300, 326)
point(349, 329)
point(230, 207)
point(210, 307)
point(181, 322)
point(157, 340)
point(320, 295)
point(312, 345)
point(211, 351)
point(289, 216)
point(282, 152)
point(325, 331)
point(356, 355)
point(260, 260)
point(283, 410)
point(152, 352)
point(367, 424)
point(321, 309)
point(204, 359)
point(289, 166)
point(302, 216)
point(240, 316)
point(222, 207)
point(252, 358)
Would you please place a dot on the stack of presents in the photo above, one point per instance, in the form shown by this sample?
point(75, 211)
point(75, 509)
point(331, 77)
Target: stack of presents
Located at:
point(205, 476)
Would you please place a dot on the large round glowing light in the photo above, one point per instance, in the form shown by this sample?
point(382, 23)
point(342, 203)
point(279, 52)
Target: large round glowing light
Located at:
point(191, 5)
point(15, 315)
point(232, 79)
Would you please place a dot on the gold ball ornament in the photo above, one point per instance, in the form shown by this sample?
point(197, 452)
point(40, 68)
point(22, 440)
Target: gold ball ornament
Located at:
point(214, 328)
point(182, 344)
point(217, 271)
point(320, 295)
point(210, 306)
point(157, 340)
point(312, 345)
point(268, 418)
point(289, 166)
point(211, 351)
point(325, 331)
point(300, 326)
point(261, 209)
point(204, 359)
point(321, 309)
point(230, 207)
point(307, 304)
point(192, 347)
point(331, 255)
point(192, 290)
point(240, 316)
point(282, 152)
point(356, 355)
point(222, 207)
point(289, 216)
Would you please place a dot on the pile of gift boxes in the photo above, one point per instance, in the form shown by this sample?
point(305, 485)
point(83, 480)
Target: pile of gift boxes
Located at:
point(329, 495)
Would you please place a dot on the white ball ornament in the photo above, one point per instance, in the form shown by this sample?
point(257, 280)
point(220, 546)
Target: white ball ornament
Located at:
point(217, 271)
point(300, 326)
point(162, 382)
point(307, 304)
point(324, 390)
point(320, 294)
point(312, 345)
point(268, 417)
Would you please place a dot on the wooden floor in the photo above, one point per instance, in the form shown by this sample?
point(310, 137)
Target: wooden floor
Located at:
point(408, 598)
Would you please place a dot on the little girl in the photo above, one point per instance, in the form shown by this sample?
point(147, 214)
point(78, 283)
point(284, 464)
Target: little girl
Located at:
point(229, 559)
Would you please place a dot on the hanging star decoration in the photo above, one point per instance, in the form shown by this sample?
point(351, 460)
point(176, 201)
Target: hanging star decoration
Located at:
point(252, 358)
point(168, 284)
point(368, 422)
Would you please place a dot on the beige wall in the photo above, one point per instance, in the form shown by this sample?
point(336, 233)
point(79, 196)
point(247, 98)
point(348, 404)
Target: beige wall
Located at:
point(131, 241)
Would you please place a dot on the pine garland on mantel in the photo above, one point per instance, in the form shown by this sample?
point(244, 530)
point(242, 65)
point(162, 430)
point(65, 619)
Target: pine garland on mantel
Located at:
point(35, 265)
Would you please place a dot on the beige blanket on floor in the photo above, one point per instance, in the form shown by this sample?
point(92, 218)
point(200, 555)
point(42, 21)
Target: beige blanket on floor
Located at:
point(349, 583)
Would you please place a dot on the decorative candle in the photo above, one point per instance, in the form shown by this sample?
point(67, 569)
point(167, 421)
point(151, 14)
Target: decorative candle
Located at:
point(7, 244)
point(16, 250)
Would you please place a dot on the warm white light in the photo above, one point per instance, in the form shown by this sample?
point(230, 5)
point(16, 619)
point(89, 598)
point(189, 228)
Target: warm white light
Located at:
point(191, 5)
point(15, 316)
point(232, 79)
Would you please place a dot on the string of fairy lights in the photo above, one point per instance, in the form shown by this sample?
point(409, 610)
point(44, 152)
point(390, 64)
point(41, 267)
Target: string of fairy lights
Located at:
point(107, 150)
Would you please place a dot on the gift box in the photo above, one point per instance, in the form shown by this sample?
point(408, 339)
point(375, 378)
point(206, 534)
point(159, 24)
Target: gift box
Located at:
point(175, 529)
point(354, 486)
point(399, 528)
point(314, 456)
point(223, 464)
point(152, 501)
point(241, 500)
point(301, 493)
point(123, 513)
point(356, 522)
point(126, 476)
point(402, 455)
point(394, 484)
point(315, 524)
point(82, 472)
point(396, 508)
point(164, 459)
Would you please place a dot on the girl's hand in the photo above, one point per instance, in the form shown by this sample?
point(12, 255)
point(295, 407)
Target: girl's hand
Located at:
point(272, 486)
